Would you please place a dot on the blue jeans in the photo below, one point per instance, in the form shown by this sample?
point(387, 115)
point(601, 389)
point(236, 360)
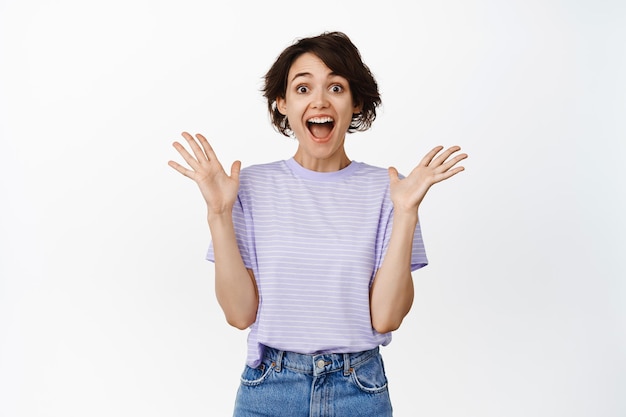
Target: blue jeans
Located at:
point(326, 385)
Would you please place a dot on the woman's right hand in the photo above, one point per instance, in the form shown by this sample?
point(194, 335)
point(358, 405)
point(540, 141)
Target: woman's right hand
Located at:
point(218, 189)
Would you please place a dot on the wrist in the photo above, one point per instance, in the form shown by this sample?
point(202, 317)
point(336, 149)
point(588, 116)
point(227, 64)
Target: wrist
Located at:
point(407, 217)
point(217, 217)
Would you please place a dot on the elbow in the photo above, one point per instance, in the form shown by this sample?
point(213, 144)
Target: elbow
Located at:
point(388, 318)
point(386, 325)
point(240, 322)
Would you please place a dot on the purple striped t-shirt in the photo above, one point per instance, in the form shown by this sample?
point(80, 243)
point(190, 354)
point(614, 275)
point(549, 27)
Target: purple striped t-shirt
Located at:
point(314, 241)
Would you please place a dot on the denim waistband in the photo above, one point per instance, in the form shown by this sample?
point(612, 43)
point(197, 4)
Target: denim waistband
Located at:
point(317, 364)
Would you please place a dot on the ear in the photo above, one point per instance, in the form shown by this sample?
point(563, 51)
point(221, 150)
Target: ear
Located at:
point(281, 105)
point(358, 108)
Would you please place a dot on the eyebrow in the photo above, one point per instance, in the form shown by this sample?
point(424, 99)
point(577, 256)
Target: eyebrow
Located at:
point(308, 74)
point(301, 74)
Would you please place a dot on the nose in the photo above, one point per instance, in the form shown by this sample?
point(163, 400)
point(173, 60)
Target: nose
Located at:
point(319, 99)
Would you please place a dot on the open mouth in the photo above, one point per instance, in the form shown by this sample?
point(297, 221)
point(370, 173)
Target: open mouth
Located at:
point(320, 127)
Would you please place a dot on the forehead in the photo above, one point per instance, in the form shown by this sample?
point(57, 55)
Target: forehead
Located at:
point(309, 65)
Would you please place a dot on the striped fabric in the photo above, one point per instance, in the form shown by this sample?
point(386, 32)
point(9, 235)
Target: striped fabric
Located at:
point(314, 241)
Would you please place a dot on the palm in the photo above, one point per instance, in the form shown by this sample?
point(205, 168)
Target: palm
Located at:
point(408, 193)
point(218, 188)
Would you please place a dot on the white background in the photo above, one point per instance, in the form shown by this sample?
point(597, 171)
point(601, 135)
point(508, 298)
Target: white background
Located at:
point(106, 302)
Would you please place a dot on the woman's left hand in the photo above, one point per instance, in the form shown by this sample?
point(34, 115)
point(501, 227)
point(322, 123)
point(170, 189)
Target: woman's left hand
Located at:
point(408, 193)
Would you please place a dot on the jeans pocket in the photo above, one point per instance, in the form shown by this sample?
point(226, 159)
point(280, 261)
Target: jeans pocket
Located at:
point(370, 376)
point(252, 377)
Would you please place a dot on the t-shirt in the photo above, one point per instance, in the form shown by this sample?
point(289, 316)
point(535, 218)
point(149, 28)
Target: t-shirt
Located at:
point(314, 241)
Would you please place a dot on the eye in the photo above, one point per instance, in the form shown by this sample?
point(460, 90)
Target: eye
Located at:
point(302, 89)
point(336, 88)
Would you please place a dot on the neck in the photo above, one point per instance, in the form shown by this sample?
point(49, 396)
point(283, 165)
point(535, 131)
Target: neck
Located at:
point(336, 163)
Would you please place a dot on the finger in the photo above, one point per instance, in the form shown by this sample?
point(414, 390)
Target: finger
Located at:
point(445, 155)
point(452, 162)
point(193, 163)
point(448, 174)
point(426, 160)
point(197, 150)
point(208, 149)
point(178, 167)
point(393, 175)
point(235, 169)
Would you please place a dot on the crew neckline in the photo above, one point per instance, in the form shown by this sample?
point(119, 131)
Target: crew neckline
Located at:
point(305, 173)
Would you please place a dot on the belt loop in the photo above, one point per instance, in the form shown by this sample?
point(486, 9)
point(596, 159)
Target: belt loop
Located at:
point(279, 361)
point(346, 364)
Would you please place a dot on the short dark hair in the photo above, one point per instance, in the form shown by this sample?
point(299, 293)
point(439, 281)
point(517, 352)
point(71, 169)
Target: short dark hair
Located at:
point(339, 54)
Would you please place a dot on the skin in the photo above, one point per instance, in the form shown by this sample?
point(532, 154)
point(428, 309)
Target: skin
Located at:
point(313, 90)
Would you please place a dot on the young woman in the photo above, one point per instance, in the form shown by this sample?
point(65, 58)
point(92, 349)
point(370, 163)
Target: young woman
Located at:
point(314, 254)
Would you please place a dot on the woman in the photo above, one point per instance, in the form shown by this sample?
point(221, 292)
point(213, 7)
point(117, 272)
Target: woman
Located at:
point(314, 254)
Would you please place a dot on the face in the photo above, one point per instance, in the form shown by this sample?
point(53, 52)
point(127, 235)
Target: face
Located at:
point(319, 107)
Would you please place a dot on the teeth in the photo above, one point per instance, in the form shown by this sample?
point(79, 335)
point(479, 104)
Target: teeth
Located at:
point(320, 120)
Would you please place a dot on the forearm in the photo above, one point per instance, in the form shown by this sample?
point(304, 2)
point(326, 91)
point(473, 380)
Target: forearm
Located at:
point(235, 286)
point(392, 291)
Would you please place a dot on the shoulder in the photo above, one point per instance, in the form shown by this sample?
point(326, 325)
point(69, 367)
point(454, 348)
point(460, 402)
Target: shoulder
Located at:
point(265, 167)
point(260, 177)
point(276, 168)
point(372, 174)
point(373, 170)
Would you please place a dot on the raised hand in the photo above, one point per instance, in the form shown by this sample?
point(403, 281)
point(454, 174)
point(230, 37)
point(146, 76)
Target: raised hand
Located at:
point(218, 189)
point(408, 193)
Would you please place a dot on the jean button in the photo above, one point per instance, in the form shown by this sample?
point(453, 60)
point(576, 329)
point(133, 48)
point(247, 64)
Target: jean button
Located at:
point(321, 363)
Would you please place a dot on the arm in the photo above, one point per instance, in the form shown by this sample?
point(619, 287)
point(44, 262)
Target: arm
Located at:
point(391, 295)
point(235, 286)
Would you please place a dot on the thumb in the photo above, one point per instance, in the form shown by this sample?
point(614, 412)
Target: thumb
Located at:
point(235, 169)
point(393, 175)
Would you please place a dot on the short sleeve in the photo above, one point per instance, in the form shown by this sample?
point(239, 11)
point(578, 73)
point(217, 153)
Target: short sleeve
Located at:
point(418, 251)
point(241, 234)
point(418, 254)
